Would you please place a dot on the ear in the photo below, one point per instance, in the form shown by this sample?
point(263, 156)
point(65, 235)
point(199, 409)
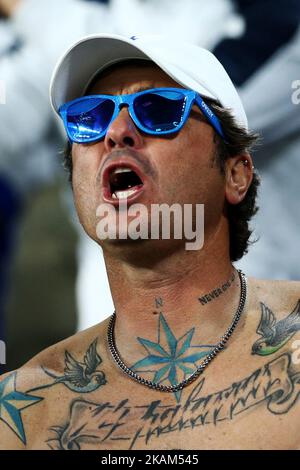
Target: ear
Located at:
point(239, 175)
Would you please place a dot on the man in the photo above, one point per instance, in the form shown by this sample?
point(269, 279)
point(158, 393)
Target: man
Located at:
point(30, 50)
point(196, 356)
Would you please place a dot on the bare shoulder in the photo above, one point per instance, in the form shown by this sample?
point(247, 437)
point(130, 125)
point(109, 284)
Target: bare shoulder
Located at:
point(26, 394)
point(280, 293)
point(270, 301)
point(271, 284)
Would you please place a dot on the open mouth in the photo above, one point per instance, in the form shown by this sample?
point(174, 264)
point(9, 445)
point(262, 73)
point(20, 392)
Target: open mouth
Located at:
point(124, 182)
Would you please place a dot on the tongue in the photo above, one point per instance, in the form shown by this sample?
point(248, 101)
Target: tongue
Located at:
point(123, 194)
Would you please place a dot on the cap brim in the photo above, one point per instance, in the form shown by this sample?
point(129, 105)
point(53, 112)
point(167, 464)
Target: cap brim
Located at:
point(90, 55)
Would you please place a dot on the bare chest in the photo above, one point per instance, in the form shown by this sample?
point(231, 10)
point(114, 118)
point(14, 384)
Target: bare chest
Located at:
point(259, 410)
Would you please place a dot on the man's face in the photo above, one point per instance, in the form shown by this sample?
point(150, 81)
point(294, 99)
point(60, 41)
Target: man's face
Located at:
point(179, 168)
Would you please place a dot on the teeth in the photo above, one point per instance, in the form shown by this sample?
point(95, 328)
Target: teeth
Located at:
point(123, 194)
point(121, 170)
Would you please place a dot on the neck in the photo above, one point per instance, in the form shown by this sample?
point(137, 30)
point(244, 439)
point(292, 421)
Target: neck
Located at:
point(185, 290)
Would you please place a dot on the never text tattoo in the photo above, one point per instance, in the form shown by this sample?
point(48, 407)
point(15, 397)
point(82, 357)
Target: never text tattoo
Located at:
point(217, 292)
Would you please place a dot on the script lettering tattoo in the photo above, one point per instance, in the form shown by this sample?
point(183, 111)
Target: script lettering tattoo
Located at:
point(276, 385)
point(79, 377)
point(12, 402)
point(170, 360)
point(217, 292)
point(274, 334)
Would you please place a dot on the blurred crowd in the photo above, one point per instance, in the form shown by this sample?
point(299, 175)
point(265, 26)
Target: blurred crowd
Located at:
point(258, 42)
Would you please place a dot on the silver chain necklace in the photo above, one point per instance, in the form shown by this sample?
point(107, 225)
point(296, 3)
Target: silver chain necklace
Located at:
point(200, 369)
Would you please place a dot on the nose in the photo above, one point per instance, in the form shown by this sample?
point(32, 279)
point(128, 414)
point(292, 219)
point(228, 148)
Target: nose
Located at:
point(122, 132)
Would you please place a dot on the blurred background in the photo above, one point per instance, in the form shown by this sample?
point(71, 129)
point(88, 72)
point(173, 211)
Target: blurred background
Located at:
point(52, 278)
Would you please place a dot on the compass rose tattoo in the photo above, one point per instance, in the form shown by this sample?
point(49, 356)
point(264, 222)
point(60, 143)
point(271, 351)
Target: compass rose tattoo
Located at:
point(170, 360)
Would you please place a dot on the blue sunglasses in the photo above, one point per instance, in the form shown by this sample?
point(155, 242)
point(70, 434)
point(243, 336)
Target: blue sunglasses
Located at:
point(157, 111)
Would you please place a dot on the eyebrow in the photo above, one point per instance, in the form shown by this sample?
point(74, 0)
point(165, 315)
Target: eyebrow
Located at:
point(144, 88)
point(137, 90)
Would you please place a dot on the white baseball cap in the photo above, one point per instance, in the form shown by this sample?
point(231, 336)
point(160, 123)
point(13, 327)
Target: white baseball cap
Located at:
point(191, 66)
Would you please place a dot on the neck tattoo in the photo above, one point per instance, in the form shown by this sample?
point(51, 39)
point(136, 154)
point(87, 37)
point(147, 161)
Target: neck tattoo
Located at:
point(158, 305)
point(175, 387)
point(215, 293)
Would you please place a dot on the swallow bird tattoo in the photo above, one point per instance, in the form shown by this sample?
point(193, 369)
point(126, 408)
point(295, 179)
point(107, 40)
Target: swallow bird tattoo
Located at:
point(274, 334)
point(80, 377)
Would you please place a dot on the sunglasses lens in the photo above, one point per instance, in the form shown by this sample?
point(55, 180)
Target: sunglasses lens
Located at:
point(160, 111)
point(87, 119)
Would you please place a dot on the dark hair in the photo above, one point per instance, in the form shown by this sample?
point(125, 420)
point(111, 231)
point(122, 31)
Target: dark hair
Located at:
point(238, 141)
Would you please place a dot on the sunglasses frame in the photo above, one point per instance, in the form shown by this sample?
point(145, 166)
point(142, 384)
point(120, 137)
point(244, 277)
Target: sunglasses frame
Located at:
point(191, 97)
